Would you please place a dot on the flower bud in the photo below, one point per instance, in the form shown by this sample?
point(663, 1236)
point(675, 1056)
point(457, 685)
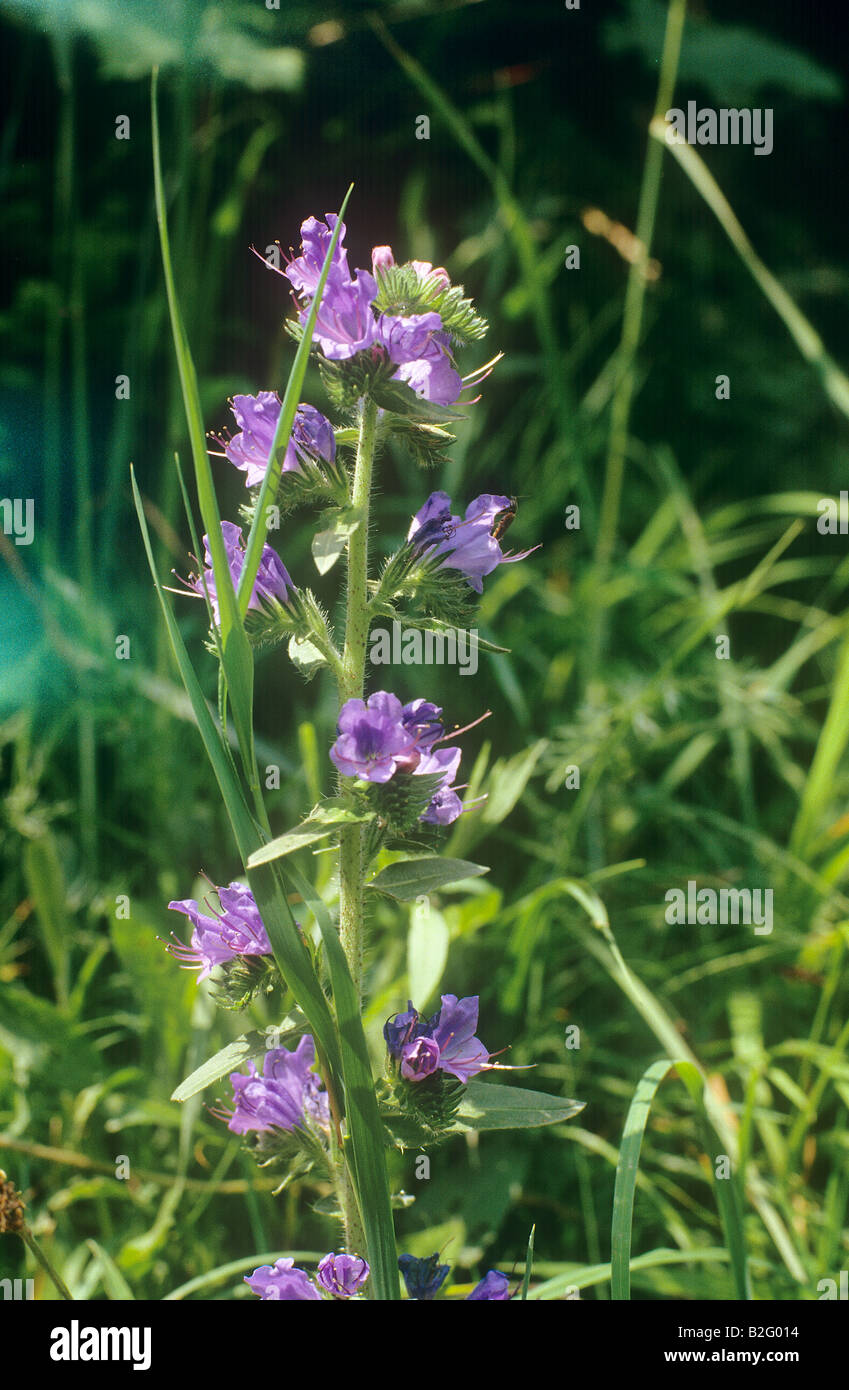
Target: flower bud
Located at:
point(381, 258)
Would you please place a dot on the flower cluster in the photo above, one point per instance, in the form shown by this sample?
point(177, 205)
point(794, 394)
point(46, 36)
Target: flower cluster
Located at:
point(272, 581)
point(287, 1095)
point(348, 322)
point(312, 436)
point(424, 1278)
point(236, 930)
point(471, 544)
point(379, 738)
point(446, 1042)
point(337, 1276)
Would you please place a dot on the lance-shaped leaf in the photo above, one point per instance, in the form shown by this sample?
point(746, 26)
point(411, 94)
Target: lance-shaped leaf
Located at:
point(328, 545)
point(410, 877)
point(240, 1050)
point(487, 1106)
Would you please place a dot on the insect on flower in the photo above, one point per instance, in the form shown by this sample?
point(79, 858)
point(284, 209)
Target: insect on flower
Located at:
point(504, 519)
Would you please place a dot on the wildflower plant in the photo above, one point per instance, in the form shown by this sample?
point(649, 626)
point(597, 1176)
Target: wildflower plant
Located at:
point(388, 344)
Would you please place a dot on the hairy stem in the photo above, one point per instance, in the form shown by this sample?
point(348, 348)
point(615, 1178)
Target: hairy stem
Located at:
point(351, 866)
point(351, 679)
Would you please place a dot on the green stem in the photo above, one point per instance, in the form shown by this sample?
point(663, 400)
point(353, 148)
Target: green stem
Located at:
point(352, 680)
point(32, 1244)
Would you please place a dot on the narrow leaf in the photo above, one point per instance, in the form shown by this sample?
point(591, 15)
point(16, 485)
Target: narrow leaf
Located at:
point(487, 1106)
point(410, 877)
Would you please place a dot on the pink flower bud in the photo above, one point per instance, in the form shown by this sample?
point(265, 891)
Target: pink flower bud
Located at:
point(382, 258)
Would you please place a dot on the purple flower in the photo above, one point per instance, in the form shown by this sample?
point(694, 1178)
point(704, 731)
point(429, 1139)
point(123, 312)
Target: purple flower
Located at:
point(419, 1058)
point(342, 1275)
point(257, 416)
point(423, 1277)
point(403, 1028)
point(468, 545)
point(493, 1288)
point(421, 718)
point(409, 339)
point(237, 930)
point(272, 580)
point(445, 805)
point(286, 1094)
point(460, 1053)
point(446, 1042)
point(345, 324)
point(283, 1282)
point(433, 376)
point(304, 272)
point(373, 741)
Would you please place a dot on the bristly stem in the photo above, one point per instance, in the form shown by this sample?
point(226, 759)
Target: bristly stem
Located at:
point(351, 683)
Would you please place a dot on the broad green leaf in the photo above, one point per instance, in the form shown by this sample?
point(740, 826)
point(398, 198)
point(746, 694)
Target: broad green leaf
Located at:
point(488, 1106)
point(410, 877)
point(427, 952)
point(367, 1135)
point(240, 1050)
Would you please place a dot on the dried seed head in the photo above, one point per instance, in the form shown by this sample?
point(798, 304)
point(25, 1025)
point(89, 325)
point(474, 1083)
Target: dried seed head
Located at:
point(11, 1206)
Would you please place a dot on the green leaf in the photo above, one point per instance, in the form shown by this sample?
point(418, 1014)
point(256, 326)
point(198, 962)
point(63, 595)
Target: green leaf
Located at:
point(114, 1282)
point(727, 1195)
point(427, 952)
point(244, 828)
point(328, 545)
point(398, 398)
point(410, 877)
point(306, 656)
point(305, 834)
point(293, 959)
point(337, 810)
point(368, 1139)
point(487, 1106)
point(240, 1050)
